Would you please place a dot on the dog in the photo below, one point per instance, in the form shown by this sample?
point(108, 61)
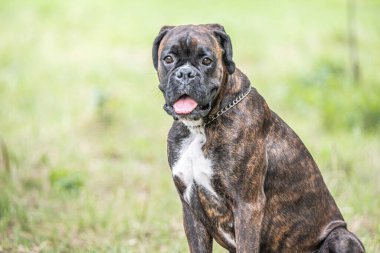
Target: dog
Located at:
point(245, 179)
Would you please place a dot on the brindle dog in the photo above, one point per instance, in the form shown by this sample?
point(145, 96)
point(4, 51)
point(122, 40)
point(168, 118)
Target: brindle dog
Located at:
point(244, 177)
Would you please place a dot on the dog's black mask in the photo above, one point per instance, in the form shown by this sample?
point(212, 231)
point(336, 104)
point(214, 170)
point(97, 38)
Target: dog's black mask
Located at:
point(191, 62)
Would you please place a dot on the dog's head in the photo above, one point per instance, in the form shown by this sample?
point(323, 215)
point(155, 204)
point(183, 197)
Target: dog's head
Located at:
point(192, 61)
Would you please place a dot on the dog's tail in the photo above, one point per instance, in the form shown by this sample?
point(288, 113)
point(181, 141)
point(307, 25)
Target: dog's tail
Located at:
point(340, 240)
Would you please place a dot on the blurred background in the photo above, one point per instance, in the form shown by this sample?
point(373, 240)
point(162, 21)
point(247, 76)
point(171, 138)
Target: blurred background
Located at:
point(83, 163)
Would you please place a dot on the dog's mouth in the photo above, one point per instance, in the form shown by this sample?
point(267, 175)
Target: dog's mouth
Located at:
point(186, 107)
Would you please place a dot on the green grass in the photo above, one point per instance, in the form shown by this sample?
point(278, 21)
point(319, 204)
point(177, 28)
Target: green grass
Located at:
point(83, 164)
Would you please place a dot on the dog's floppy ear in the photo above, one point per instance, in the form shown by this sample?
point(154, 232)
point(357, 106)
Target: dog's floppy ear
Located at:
point(156, 43)
point(225, 42)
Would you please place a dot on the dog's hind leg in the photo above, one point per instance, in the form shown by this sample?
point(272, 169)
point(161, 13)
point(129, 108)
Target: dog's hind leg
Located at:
point(340, 240)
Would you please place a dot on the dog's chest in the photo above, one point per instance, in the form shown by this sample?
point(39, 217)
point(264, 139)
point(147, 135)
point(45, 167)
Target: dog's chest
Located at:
point(193, 174)
point(192, 168)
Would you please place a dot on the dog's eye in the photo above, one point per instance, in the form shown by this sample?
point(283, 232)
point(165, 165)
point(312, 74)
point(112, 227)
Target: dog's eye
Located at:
point(206, 61)
point(168, 59)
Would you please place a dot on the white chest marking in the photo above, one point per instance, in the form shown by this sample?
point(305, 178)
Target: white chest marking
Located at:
point(192, 166)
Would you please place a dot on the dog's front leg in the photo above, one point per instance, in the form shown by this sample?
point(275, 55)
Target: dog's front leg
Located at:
point(248, 218)
point(199, 240)
point(249, 207)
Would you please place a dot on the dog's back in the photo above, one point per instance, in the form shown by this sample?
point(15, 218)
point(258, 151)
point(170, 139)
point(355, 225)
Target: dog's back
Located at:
point(296, 194)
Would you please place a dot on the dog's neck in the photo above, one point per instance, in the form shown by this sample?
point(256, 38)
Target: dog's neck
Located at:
point(232, 86)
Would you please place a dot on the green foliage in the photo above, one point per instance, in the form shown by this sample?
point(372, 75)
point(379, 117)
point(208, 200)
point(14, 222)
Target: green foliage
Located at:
point(66, 180)
point(4, 206)
point(341, 105)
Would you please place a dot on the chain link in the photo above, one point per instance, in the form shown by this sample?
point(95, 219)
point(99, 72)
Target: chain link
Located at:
point(229, 106)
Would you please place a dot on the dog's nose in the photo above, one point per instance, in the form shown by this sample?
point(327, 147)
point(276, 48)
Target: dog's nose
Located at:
point(185, 75)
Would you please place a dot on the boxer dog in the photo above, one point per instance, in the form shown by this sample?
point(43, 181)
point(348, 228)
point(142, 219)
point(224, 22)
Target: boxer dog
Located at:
point(244, 178)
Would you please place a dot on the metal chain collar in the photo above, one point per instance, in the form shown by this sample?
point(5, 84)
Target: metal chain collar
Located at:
point(229, 106)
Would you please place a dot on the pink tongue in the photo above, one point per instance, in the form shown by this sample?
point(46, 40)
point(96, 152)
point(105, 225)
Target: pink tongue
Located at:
point(185, 105)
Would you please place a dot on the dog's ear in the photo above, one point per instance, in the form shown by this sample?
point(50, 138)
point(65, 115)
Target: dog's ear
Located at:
point(156, 44)
point(225, 43)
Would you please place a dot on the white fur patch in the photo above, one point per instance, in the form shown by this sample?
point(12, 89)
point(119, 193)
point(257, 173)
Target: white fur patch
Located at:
point(191, 124)
point(192, 166)
point(227, 237)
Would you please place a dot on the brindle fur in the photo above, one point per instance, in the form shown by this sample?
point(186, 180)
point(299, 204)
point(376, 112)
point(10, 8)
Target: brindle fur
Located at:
point(271, 195)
